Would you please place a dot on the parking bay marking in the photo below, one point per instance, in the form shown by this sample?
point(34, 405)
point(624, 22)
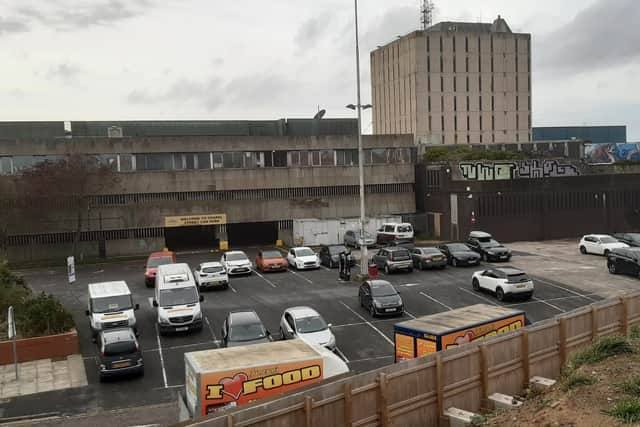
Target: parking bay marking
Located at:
point(164, 373)
point(549, 304)
point(478, 296)
point(233, 289)
point(206, 320)
point(368, 323)
point(564, 289)
point(300, 275)
point(273, 285)
point(435, 300)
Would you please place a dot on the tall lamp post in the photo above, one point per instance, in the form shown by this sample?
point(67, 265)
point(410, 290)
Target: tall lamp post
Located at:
point(364, 260)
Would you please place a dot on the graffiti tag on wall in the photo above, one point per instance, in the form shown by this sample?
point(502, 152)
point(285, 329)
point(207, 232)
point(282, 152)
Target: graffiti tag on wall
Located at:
point(521, 169)
point(611, 153)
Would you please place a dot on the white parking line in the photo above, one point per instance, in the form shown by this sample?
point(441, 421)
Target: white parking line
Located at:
point(549, 304)
point(547, 300)
point(564, 289)
point(341, 354)
point(206, 320)
point(477, 295)
point(300, 276)
point(409, 314)
point(273, 285)
point(368, 323)
point(435, 300)
point(371, 358)
point(326, 268)
point(164, 373)
point(233, 289)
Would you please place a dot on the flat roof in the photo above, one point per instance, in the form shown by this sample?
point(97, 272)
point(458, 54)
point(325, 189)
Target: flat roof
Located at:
point(245, 357)
point(455, 319)
point(104, 289)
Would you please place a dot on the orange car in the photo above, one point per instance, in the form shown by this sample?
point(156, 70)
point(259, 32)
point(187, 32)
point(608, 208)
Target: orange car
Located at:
point(271, 260)
point(155, 259)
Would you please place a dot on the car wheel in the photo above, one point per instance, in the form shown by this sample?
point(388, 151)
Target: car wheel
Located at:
point(361, 303)
point(372, 311)
point(475, 284)
point(583, 250)
point(386, 269)
point(606, 252)
point(500, 294)
point(454, 262)
point(282, 334)
point(612, 268)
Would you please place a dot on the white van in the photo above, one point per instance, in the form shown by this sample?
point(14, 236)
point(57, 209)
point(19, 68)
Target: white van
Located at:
point(110, 306)
point(177, 299)
point(394, 231)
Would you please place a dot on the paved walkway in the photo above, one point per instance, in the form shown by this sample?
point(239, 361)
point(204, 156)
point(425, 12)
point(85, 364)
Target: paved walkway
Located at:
point(42, 375)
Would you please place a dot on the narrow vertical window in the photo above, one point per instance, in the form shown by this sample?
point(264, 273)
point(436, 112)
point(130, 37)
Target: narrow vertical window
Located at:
point(442, 123)
point(468, 123)
point(455, 84)
point(466, 64)
point(440, 43)
point(467, 79)
point(441, 84)
point(493, 122)
point(493, 104)
point(468, 103)
point(466, 45)
point(455, 103)
point(442, 103)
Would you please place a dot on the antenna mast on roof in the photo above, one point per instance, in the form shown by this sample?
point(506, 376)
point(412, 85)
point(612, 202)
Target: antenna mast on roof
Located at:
point(426, 14)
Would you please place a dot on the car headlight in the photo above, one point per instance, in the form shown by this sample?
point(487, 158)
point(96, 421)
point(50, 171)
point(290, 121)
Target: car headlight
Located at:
point(163, 320)
point(198, 315)
point(102, 367)
point(332, 341)
point(377, 304)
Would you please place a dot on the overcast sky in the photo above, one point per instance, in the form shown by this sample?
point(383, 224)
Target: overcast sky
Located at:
point(250, 59)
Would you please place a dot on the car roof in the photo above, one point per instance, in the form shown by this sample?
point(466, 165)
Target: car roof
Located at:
point(597, 235)
point(165, 254)
point(235, 252)
point(211, 264)
point(395, 248)
point(302, 311)
point(378, 282)
point(509, 270)
point(111, 336)
point(244, 317)
point(396, 223)
point(479, 234)
point(455, 243)
point(300, 247)
point(427, 247)
point(105, 289)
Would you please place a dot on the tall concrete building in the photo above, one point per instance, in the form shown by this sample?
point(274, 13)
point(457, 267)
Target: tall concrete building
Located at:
point(454, 83)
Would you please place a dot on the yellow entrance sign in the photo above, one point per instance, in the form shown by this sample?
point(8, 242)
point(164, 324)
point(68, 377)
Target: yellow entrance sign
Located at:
point(189, 220)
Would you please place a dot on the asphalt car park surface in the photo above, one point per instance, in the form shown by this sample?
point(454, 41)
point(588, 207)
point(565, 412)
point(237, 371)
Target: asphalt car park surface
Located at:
point(364, 342)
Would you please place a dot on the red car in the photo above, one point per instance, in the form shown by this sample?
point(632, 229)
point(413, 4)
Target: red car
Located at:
point(271, 260)
point(154, 260)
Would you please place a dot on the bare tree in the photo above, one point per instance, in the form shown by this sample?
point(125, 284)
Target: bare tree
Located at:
point(66, 184)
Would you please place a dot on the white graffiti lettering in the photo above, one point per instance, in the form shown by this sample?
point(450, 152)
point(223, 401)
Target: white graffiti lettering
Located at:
point(521, 169)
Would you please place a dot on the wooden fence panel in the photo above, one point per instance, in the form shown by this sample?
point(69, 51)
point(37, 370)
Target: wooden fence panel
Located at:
point(609, 317)
point(504, 362)
point(579, 329)
point(544, 354)
point(633, 310)
point(412, 393)
point(461, 378)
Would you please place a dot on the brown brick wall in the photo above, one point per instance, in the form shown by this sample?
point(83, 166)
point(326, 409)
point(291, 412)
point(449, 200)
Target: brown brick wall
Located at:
point(28, 349)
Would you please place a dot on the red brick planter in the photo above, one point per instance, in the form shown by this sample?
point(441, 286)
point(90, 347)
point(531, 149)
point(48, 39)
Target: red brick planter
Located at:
point(28, 349)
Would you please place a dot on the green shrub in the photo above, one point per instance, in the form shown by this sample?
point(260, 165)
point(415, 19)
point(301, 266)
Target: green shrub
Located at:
point(601, 350)
point(631, 386)
point(575, 379)
point(627, 410)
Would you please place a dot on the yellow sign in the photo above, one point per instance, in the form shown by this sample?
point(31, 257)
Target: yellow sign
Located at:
point(190, 220)
point(425, 347)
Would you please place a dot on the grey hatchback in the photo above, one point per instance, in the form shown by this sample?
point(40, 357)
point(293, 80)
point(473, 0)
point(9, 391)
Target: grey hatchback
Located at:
point(393, 258)
point(243, 327)
point(119, 353)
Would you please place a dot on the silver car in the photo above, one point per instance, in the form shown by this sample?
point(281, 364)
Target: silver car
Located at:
point(352, 238)
point(211, 275)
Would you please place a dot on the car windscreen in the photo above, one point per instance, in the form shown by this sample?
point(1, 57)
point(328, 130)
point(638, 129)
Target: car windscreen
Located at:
point(608, 240)
point(404, 229)
point(271, 255)
point(304, 252)
point(306, 325)
point(518, 277)
point(111, 304)
point(489, 243)
point(334, 250)
point(237, 257)
point(431, 251)
point(119, 347)
point(178, 296)
point(215, 269)
point(383, 290)
point(458, 247)
point(401, 255)
point(156, 261)
point(247, 332)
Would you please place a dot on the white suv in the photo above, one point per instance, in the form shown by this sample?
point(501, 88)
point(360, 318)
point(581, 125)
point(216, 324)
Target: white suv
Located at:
point(504, 282)
point(302, 258)
point(599, 244)
point(394, 231)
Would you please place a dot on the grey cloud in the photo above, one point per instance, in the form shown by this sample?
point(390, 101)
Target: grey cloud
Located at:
point(395, 22)
point(601, 36)
point(207, 93)
point(9, 26)
point(314, 29)
point(66, 73)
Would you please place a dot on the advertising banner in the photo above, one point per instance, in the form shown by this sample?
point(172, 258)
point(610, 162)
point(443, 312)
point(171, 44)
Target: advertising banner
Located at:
point(425, 347)
point(611, 153)
point(487, 330)
point(404, 347)
point(235, 387)
point(190, 220)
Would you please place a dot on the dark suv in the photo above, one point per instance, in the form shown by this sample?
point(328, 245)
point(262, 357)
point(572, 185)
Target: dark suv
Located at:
point(393, 259)
point(624, 261)
point(631, 239)
point(330, 255)
point(243, 327)
point(119, 353)
point(488, 248)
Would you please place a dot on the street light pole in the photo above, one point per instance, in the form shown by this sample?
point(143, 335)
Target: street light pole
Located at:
point(364, 260)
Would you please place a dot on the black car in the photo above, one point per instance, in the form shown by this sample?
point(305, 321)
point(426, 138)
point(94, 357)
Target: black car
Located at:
point(243, 327)
point(624, 261)
point(459, 254)
point(488, 248)
point(631, 239)
point(330, 255)
point(380, 298)
point(119, 353)
point(392, 259)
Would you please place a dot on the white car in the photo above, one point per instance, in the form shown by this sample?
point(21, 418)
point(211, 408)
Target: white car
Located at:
point(236, 262)
point(599, 244)
point(302, 258)
point(305, 323)
point(504, 282)
point(211, 275)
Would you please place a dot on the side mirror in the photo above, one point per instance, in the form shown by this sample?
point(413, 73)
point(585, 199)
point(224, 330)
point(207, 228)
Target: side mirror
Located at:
point(87, 312)
point(155, 303)
point(136, 307)
point(201, 298)
point(329, 325)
